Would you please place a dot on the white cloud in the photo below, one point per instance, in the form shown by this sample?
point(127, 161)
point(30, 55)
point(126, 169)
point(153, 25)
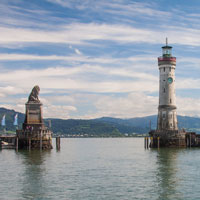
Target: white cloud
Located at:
point(188, 83)
point(188, 106)
point(133, 104)
point(192, 62)
point(58, 111)
point(49, 110)
point(70, 34)
point(136, 104)
point(60, 99)
point(74, 79)
point(62, 3)
point(57, 106)
point(113, 7)
point(84, 33)
point(78, 57)
point(10, 90)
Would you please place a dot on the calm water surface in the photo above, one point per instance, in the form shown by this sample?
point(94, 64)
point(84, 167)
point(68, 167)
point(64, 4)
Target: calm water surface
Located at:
point(107, 168)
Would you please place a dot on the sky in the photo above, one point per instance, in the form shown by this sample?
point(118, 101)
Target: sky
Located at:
point(96, 58)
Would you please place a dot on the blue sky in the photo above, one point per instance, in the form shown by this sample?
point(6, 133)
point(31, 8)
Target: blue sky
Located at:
point(97, 58)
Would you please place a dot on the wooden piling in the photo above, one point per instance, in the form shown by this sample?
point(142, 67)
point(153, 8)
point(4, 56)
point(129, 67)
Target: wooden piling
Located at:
point(16, 143)
point(29, 144)
point(58, 143)
point(147, 142)
point(40, 141)
point(158, 138)
point(151, 141)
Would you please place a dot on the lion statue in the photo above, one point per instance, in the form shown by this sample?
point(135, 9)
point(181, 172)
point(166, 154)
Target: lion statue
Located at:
point(34, 94)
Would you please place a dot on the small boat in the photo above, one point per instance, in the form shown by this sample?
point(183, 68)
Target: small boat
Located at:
point(6, 145)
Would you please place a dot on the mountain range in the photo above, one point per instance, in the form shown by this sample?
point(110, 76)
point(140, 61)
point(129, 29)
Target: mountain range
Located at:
point(101, 127)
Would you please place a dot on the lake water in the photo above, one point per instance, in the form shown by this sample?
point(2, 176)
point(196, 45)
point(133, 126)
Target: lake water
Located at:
point(107, 168)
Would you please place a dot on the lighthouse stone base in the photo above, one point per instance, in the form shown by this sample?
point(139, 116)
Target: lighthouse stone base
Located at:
point(168, 138)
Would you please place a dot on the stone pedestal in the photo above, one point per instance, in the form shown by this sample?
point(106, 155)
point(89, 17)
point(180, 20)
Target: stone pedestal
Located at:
point(32, 139)
point(34, 117)
point(34, 134)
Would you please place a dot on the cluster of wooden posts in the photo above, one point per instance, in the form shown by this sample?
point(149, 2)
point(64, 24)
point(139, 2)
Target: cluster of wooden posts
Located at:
point(189, 140)
point(148, 142)
point(192, 139)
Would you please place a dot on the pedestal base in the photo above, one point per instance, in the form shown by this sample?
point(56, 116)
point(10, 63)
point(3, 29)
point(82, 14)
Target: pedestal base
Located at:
point(167, 138)
point(34, 139)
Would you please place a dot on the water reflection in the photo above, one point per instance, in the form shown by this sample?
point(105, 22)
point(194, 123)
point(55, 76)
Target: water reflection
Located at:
point(34, 173)
point(167, 177)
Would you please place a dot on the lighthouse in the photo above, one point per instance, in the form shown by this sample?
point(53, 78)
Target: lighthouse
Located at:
point(167, 117)
point(167, 133)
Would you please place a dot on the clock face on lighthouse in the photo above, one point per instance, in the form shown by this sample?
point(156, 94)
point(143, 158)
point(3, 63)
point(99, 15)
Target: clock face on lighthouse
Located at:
point(170, 80)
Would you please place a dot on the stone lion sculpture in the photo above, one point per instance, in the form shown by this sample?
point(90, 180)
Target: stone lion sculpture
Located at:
point(34, 94)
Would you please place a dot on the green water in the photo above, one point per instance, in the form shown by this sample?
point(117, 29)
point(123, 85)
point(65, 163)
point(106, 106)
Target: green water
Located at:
point(107, 168)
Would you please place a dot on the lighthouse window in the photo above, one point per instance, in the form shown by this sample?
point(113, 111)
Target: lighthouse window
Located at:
point(164, 90)
point(163, 116)
point(170, 100)
point(164, 69)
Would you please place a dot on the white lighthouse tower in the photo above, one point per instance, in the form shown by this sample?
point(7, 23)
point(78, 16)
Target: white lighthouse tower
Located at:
point(167, 133)
point(167, 119)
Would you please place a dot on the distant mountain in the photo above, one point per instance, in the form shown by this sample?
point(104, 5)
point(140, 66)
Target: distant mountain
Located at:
point(84, 127)
point(102, 127)
point(143, 124)
point(64, 127)
point(132, 125)
point(189, 123)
